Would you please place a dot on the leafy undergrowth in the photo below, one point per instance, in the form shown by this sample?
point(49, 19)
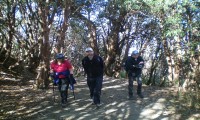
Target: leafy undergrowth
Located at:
point(20, 101)
point(186, 103)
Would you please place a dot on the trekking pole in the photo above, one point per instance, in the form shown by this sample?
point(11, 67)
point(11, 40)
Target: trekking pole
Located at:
point(73, 93)
point(52, 79)
point(53, 93)
point(72, 88)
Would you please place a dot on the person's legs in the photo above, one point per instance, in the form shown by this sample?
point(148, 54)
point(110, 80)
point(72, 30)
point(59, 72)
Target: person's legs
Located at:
point(139, 87)
point(59, 88)
point(130, 86)
point(97, 89)
point(91, 85)
point(64, 90)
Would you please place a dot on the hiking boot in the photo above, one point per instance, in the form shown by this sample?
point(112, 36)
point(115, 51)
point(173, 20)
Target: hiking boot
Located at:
point(140, 95)
point(91, 100)
point(92, 103)
point(131, 98)
point(64, 104)
point(98, 105)
point(64, 101)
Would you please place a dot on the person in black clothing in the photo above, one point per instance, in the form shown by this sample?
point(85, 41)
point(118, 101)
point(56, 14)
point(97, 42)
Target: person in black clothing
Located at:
point(93, 67)
point(133, 66)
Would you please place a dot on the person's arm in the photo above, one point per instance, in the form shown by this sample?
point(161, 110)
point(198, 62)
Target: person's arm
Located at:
point(129, 65)
point(84, 65)
point(101, 62)
point(70, 68)
point(71, 71)
point(52, 67)
point(141, 63)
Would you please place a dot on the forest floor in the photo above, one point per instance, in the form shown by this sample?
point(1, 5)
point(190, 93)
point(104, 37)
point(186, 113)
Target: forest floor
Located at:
point(20, 101)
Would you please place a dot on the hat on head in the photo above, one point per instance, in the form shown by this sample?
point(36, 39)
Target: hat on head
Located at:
point(60, 56)
point(88, 49)
point(135, 52)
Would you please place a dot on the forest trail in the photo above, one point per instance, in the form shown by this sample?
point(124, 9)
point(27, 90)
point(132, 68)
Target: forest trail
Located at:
point(22, 102)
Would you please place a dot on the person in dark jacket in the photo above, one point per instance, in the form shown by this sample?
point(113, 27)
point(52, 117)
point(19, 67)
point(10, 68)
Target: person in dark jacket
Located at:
point(93, 67)
point(133, 66)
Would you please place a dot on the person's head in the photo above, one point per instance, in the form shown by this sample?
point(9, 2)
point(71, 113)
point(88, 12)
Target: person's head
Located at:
point(60, 57)
point(89, 51)
point(135, 54)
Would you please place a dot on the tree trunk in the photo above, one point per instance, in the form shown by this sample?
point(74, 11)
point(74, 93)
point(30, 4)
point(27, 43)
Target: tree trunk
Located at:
point(11, 26)
point(45, 46)
point(42, 80)
point(112, 50)
point(92, 35)
point(64, 26)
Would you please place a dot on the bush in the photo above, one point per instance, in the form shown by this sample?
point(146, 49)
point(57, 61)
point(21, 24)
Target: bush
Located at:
point(123, 74)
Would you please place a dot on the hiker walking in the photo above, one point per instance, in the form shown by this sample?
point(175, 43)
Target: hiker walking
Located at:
point(62, 72)
point(133, 66)
point(93, 67)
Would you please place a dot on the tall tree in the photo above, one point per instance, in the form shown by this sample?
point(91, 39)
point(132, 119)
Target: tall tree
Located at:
point(10, 20)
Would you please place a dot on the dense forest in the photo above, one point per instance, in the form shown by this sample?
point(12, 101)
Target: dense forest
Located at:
point(166, 32)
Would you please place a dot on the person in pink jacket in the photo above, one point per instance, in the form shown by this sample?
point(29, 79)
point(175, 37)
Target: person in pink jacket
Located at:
point(62, 71)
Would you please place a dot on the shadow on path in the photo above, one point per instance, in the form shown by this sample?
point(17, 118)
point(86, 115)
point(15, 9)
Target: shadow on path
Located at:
point(115, 103)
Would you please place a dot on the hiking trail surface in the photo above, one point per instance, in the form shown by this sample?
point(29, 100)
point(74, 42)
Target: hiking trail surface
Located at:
point(20, 101)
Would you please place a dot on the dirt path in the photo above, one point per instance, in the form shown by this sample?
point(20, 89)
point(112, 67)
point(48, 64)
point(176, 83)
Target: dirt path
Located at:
point(25, 103)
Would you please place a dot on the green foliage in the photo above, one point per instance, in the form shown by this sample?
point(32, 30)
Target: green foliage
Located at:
point(123, 74)
point(190, 99)
point(132, 4)
point(145, 79)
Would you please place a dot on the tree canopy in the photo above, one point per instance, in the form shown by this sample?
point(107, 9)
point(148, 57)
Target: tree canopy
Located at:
point(165, 32)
